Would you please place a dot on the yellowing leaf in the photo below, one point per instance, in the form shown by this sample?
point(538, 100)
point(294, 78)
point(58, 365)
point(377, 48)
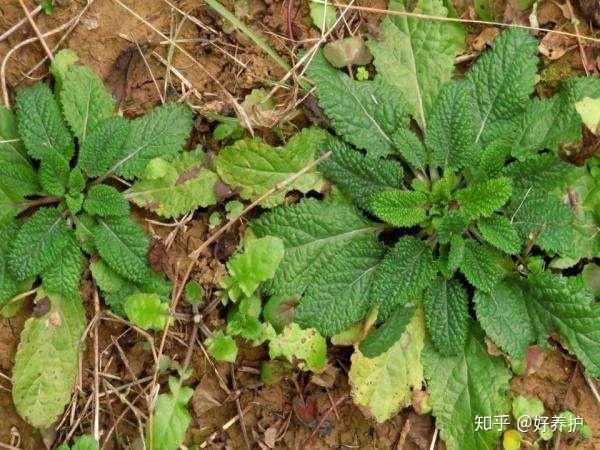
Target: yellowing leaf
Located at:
point(172, 189)
point(47, 360)
point(306, 348)
point(589, 110)
point(347, 52)
point(383, 384)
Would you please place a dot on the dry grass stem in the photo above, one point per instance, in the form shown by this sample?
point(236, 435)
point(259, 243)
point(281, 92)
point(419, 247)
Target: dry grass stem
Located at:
point(455, 20)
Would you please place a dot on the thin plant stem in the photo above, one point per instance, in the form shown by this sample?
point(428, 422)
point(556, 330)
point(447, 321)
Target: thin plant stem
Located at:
point(455, 19)
point(237, 23)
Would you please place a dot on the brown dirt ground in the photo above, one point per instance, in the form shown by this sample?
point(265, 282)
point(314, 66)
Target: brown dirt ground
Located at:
point(283, 416)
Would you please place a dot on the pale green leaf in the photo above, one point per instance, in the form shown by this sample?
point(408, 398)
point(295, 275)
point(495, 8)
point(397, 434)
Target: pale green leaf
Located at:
point(306, 348)
point(383, 384)
point(61, 64)
point(345, 52)
point(183, 185)
point(416, 56)
point(589, 110)
point(222, 347)
point(256, 264)
point(171, 417)
point(323, 16)
point(255, 167)
point(47, 360)
point(147, 311)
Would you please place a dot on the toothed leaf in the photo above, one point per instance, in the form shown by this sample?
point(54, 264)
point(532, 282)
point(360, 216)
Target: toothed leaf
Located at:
point(147, 311)
point(123, 246)
point(41, 124)
point(38, 243)
point(446, 307)
point(405, 271)
point(482, 198)
point(481, 266)
point(9, 285)
point(364, 113)
point(41, 390)
point(546, 220)
point(503, 315)
point(16, 171)
point(85, 101)
point(255, 167)
point(538, 175)
point(383, 384)
point(400, 208)
point(105, 201)
point(104, 145)
point(500, 232)
point(312, 233)
point(257, 263)
point(359, 176)
point(177, 188)
point(160, 133)
point(564, 305)
point(409, 147)
point(63, 275)
point(462, 387)
point(338, 294)
point(416, 56)
point(503, 79)
point(451, 132)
